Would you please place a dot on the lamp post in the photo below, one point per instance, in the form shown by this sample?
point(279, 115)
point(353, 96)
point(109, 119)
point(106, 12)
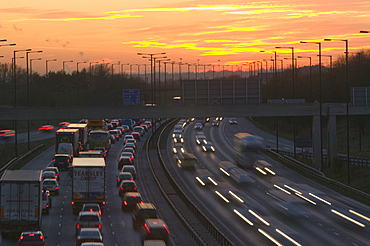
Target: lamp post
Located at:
point(144, 55)
point(64, 62)
point(46, 65)
point(293, 66)
point(7, 44)
point(90, 67)
point(77, 65)
point(347, 103)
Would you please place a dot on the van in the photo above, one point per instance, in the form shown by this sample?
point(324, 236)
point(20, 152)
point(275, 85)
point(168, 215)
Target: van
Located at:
point(65, 148)
point(187, 161)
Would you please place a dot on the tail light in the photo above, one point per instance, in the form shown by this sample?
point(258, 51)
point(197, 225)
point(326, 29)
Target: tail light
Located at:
point(118, 179)
point(78, 226)
point(57, 188)
point(54, 159)
point(147, 228)
point(135, 188)
point(41, 237)
point(121, 188)
point(21, 237)
point(125, 203)
point(164, 225)
point(99, 226)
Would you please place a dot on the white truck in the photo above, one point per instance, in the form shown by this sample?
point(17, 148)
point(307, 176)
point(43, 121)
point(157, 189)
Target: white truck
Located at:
point(20, 201)
point(88, 182)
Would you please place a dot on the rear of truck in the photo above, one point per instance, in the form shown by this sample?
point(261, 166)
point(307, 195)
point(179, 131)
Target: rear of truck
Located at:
point(20, 201)
point(88, 182)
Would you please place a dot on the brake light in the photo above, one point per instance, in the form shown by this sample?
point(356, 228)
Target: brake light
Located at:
point(135, 188)
point(91, 210)
point(125, 203)
point(54, 159)
point(21, 237)
point(118, 179)
point(99, 226)
point(147, 228)
point(31, 235)
point(78, 226)
point(57, 188)
point(72, 203)
point(41, 237)
point(121, 188)
point(164, 225)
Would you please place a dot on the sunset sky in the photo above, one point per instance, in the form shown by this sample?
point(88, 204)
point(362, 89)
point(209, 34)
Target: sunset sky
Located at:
point(213, 31)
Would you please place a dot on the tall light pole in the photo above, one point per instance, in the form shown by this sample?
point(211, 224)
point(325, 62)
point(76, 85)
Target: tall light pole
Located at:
point(77, 65)
point(145, 55)
point(64, 62)
point(165, 82)
point(46, 65)
point(7, 44)
point(347, 105)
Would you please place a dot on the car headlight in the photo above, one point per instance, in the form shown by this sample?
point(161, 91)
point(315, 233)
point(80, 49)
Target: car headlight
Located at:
point(174, 150)
point(212, 148)
point(204, 148)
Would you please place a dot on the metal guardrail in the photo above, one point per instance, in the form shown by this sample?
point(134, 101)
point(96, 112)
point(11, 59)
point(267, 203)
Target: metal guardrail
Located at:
point(17, 160)
point(287, 157)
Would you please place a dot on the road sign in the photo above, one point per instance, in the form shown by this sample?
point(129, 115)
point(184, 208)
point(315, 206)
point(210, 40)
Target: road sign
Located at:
point(131, 97)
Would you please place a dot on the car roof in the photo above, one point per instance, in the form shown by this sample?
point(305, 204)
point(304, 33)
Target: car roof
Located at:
point(88, 213)
point(132, 194)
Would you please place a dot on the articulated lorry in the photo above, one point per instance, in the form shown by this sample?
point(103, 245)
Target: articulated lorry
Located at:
point(68, 136)
point(20, 201)
point(88, 182)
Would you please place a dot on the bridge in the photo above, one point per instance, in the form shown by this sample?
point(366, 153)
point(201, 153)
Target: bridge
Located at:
point(179, 111)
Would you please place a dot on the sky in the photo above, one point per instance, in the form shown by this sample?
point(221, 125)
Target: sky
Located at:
point(204, 32)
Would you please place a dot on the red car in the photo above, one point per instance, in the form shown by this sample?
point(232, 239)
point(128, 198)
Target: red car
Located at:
point(31, 238)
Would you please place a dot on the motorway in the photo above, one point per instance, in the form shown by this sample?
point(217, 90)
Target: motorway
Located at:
point(306, 224)
point(305, 218)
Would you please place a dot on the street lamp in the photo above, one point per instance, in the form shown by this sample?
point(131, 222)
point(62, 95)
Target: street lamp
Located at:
point(46, 65)
point(77, 65)
point(64, 62)
point(91, 67)
point(331, 75)
point(7, 45)
point(364, 31)
point(347, 102)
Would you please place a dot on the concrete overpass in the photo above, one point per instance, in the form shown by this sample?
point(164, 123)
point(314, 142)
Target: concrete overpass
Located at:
point(253, 110)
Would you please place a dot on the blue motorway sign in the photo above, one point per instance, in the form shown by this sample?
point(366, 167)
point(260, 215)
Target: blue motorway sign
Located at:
point(131, 97)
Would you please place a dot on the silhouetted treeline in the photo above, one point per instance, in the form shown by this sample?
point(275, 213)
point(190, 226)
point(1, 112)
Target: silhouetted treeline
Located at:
point(98, 85)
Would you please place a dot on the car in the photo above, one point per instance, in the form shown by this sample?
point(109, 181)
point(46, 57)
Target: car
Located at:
point(145, 126)
point(128, 136)
point(208, 146)
point(127, 186)
point(48, 175)
point(155, 229)
point(84, 121)
point(141, 212)
point(115, 133)
point(130, 199)
point(126, 128)
point(233, 121)
point(177, 137)
point(46, 128)
point(178, 148)
point(92, 207)
point(215, 123)
point(127, 154)
point(198, 126)
point(92, 244)
point(53, 169)
point(131, 140)
point(199, 139)
point(51, 185)
point(89, 235)
point(128, 149)
point(103, 150)
point(31, 238)
point(124, 160)
point(139, 129)
point(88, 219)
point(113, 138)
point(154, 243)
point(130, 145)
point(129, 168)
point(62, 161)
point(136, 136)
point(46, 202)
point(124, 176)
